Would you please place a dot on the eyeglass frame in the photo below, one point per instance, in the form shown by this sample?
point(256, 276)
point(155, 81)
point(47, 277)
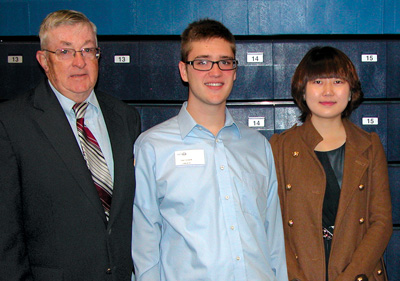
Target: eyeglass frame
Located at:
point(97, 56)
point(234, 62)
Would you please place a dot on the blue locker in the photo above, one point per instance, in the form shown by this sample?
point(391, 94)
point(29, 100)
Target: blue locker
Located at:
point(255, 72)
point(288, 54)
point(117, 77)
point(372, 118)
point(260, 118)
point(153, 115)
point(394, 180)
point(394, 132)
point(393, 256)
point(159, 72)
point(16, 77)
point(286, 116)
point(393, 69)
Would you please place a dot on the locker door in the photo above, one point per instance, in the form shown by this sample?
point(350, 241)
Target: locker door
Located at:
point(159, 72)
point(119, 70)
point(19, 69)
point(260, 118)
point(286, 116)
point(153, 115)
point(372, 118)
point(393, 132)
point(254, 75)
point(393, 256)
point(394, 180)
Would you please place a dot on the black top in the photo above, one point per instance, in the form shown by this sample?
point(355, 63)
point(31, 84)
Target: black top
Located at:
point(333, 162)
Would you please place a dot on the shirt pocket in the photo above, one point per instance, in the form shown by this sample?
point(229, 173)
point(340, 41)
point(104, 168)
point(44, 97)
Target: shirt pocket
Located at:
point(252, 190)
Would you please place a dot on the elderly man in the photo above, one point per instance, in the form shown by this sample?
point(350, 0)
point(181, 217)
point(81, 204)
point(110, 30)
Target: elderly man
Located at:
point(66, 166)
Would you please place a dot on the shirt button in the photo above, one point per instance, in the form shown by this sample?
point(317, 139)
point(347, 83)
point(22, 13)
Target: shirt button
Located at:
point(295, 153)
point(238, 258)
point(232, 227)
point(290, 223)
point(227, 197)
point(361, 187)
point(361, 220)
point(379, 272)
point(222, 167)
point(288, 186)
point(108, 271)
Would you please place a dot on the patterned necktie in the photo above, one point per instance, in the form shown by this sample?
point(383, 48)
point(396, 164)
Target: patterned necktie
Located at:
point(94, 159)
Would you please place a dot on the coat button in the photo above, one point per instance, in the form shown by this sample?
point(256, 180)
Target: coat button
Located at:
point(290, 223)
point(361, 187)
point(295, 153)
point(288, 186)
point(379, 272)
point(361, 220)
point(361, 277)
point(108, 271)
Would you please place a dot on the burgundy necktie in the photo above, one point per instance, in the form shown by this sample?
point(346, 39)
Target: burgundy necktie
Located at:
point(94, 159)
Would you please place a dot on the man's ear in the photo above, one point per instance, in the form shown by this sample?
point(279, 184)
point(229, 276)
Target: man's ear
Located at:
point(183, 71)
point(42, 59)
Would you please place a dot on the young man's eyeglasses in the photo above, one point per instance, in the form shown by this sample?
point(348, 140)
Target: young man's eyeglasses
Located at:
point(67, 53)
point(206, 65)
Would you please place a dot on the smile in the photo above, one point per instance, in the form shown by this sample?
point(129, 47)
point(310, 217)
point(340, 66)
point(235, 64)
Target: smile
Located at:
point(214, 84)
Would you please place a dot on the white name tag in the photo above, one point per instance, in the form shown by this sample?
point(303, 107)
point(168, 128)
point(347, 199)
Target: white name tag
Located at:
point(189, 157)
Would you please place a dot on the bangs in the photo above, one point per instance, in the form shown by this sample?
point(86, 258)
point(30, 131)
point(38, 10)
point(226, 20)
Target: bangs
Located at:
point(325, 63)
point(327, 68)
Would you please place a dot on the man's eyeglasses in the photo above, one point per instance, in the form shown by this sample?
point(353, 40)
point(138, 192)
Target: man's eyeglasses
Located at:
point(67, 53)
point(206, 65)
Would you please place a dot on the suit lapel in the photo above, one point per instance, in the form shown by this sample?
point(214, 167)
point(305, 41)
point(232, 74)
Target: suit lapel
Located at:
point(114, 122)
point(56, 127)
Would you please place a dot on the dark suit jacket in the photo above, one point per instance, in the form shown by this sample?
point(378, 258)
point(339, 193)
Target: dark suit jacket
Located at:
point(52, 224)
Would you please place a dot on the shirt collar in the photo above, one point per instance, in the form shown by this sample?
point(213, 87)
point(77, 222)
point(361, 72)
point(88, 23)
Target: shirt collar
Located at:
point(187, 123)
point(67, 103)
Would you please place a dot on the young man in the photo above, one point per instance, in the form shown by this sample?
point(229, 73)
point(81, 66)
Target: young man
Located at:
point(206, 207)
point(66, 167)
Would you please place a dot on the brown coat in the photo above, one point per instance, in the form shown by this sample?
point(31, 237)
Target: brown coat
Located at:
point(363, 223)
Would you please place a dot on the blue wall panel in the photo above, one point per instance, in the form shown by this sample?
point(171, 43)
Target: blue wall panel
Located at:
point(14, 18)
point(251, 17)
point(391, 16)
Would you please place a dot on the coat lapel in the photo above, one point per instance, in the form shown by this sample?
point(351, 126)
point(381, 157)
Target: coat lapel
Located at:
point(56, 127)
point(355, 166)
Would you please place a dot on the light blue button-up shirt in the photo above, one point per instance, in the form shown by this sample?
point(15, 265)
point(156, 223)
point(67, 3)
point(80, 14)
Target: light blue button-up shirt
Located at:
point(94, 120)
point(206, 207)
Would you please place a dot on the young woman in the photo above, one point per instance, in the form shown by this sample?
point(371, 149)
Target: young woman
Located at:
point(333, 178)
